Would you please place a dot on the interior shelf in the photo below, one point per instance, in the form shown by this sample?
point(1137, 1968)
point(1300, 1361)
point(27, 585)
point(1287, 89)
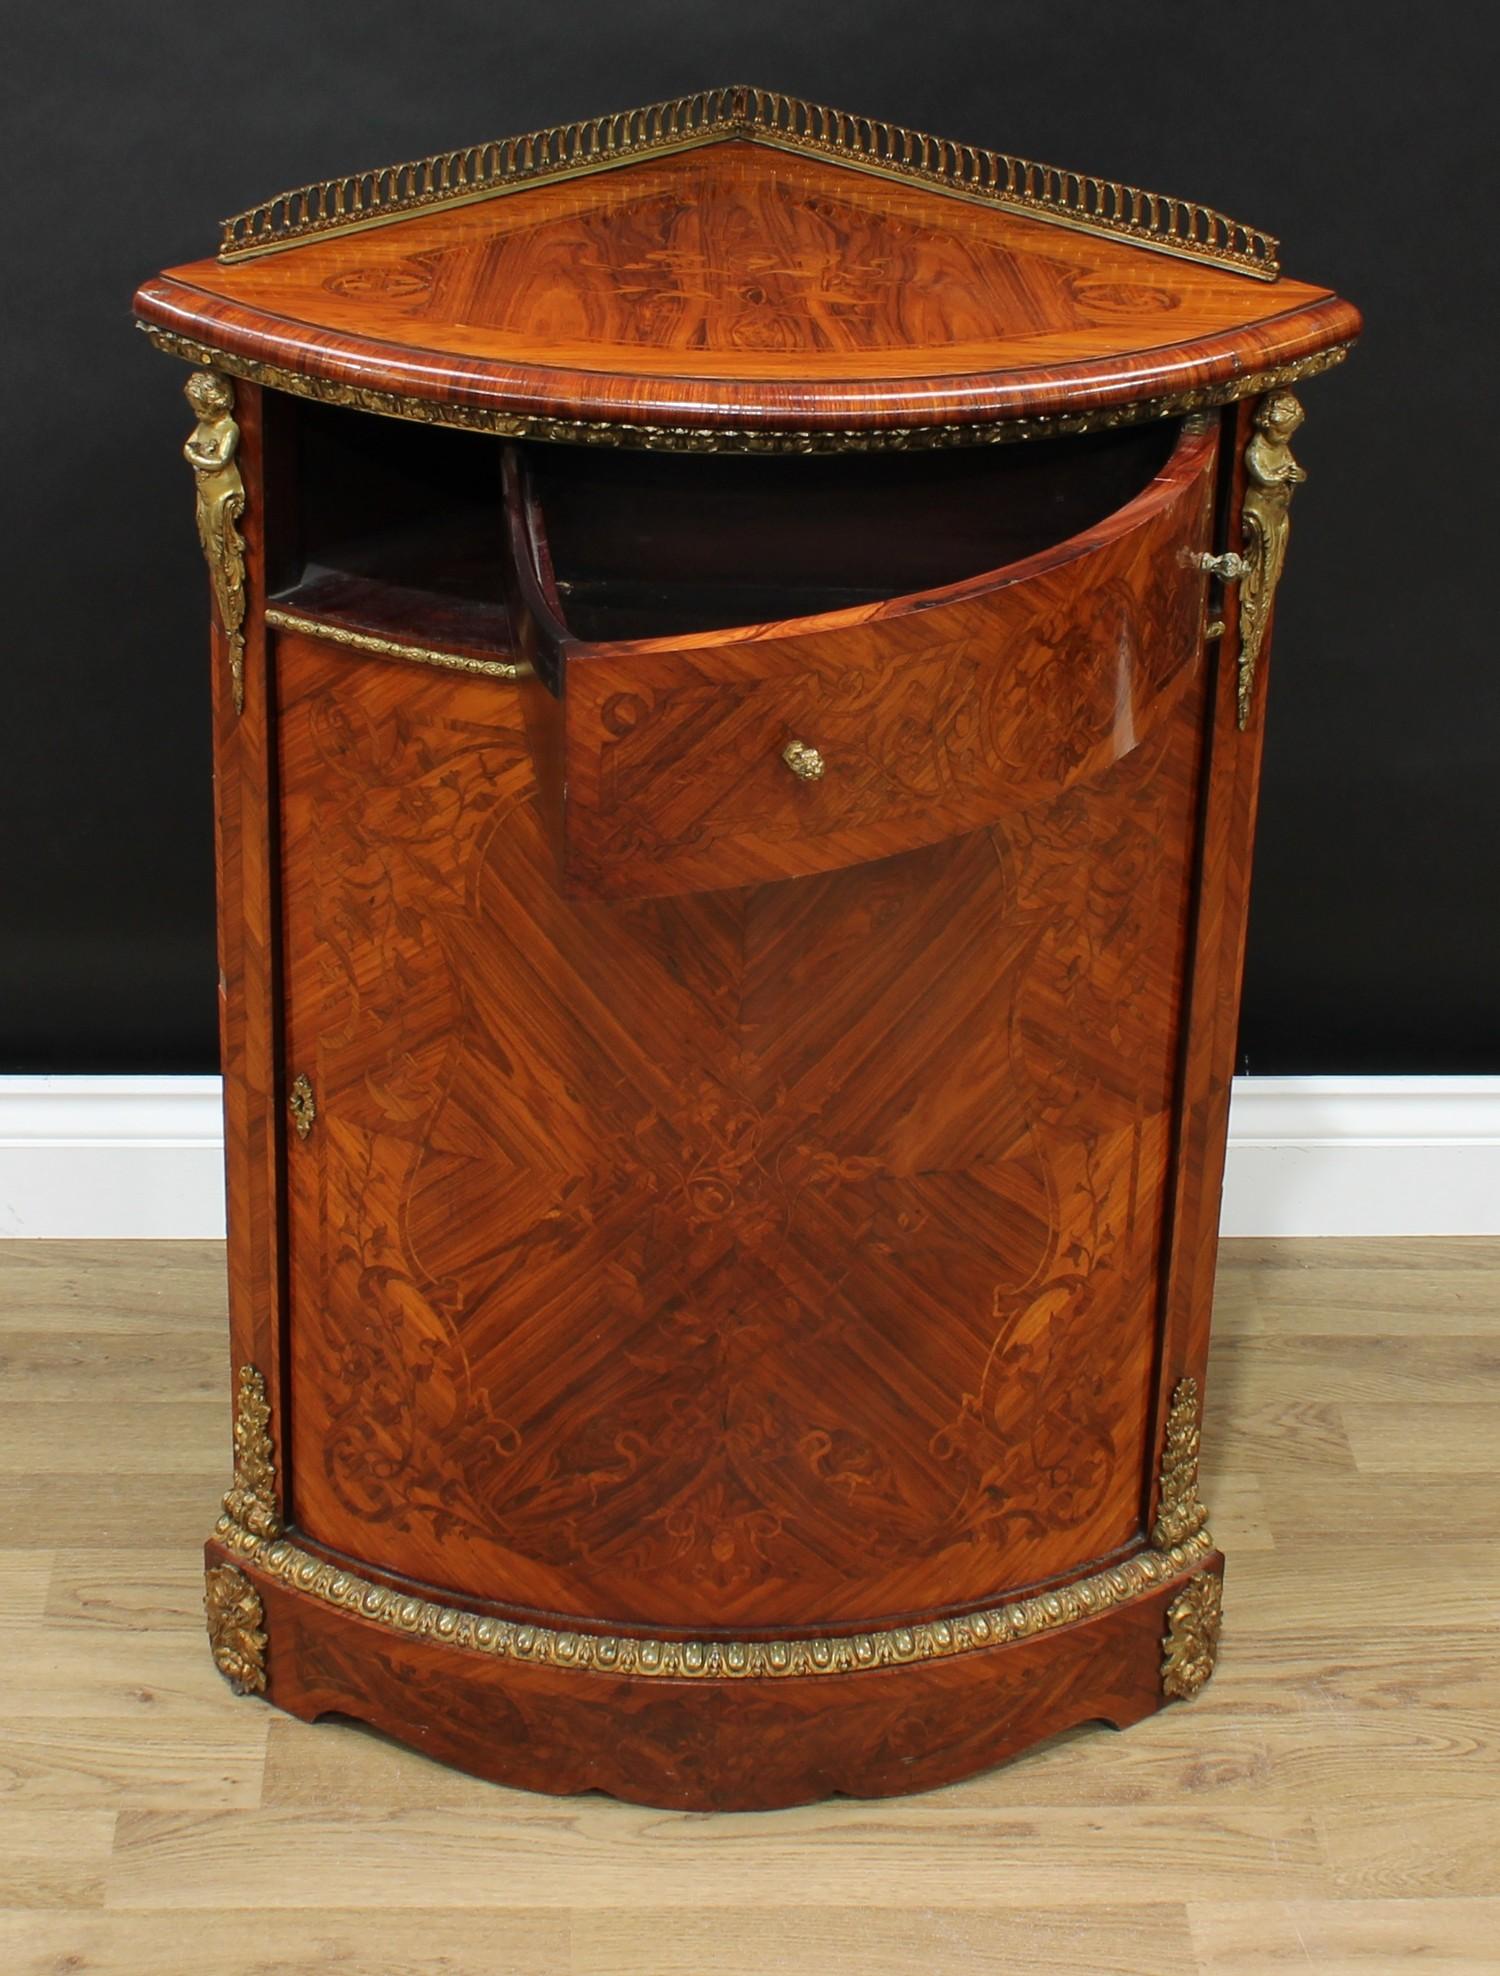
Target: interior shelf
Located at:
point(435, 581)
point(647, 545)
point(400, 530)
point(397, 532)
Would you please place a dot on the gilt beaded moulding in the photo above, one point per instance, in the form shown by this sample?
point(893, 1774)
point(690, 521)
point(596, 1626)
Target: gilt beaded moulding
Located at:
point(739, 439)
point(393, 648)
point(250, 1527)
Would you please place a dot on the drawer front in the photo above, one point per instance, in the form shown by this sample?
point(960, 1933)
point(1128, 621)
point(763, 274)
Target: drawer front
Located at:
point(926, 716)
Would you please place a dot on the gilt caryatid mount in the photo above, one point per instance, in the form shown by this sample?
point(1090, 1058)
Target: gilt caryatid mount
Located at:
point(741, 637)
point(210, 452)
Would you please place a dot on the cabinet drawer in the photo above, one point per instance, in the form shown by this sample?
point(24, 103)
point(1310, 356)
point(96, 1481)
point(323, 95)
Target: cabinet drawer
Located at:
point(665, 761)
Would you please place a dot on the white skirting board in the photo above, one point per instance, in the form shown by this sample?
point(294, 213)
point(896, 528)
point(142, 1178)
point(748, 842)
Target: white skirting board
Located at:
point(84, 1158)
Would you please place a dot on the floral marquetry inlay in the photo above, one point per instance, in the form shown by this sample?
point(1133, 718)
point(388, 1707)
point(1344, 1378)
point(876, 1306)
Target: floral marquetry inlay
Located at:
point(732, 875)
point(683, 1141)
point(236, 1614)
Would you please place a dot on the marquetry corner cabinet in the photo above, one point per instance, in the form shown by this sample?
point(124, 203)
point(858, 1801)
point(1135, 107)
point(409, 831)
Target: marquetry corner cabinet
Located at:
point(740, 641)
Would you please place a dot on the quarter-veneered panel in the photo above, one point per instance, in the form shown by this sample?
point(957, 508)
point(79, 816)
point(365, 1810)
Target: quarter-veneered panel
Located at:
point(774, 1255)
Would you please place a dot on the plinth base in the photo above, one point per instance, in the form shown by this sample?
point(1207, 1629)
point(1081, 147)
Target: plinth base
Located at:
point(689, 1725)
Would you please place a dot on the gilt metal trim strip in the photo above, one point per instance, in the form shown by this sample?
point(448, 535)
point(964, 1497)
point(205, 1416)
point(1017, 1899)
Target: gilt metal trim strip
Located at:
point(391, 648)
point(1107, 207)
point(736, 439)
point(266, 1550)
point(710, 1659)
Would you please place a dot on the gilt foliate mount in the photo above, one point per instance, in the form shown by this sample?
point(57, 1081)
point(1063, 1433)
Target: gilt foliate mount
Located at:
point(250, 1528)
point(1051, 193)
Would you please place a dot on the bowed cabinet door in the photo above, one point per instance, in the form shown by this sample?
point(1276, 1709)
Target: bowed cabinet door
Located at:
point(779, 1252)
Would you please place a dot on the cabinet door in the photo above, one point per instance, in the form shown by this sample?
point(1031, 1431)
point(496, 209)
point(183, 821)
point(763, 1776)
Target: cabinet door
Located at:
point(773, 1253)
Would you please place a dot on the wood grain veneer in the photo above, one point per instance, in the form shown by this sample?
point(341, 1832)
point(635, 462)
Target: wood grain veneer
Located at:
point(736, 285)
point(938, 711)
point(724, 1321)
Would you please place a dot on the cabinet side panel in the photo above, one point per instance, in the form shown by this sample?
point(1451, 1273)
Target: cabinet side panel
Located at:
point(775, 1256)
point(1231, 793)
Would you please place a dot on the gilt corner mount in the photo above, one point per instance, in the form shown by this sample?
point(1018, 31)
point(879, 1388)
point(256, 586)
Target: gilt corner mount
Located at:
point(250, 1528)
point(1272, 476)
point(210, 451)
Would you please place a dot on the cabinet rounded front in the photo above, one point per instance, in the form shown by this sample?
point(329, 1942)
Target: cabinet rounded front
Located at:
point(740, 637)
point(735, 1198)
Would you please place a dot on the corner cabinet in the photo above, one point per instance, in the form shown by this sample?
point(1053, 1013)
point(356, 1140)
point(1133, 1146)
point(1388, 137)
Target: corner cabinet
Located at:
point(740, 641)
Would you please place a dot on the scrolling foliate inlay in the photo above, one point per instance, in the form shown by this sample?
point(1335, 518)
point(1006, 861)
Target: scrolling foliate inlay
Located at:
point(1272, 476)
point(1192, 1643)
point(1180, 1513)
point(251, 1528)
point(210, 453)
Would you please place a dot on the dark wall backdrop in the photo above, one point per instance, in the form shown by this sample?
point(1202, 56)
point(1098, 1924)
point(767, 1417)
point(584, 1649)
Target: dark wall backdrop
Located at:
point(1360, 135)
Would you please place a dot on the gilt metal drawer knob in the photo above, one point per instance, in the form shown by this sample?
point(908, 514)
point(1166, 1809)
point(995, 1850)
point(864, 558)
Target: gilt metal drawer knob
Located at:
point(1228, 568)
point(803, 761)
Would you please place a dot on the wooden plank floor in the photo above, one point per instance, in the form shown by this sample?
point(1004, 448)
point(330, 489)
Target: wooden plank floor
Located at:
point(1331, 1803)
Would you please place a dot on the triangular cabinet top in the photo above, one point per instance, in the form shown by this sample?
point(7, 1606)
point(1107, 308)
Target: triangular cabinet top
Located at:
point(743, 270)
